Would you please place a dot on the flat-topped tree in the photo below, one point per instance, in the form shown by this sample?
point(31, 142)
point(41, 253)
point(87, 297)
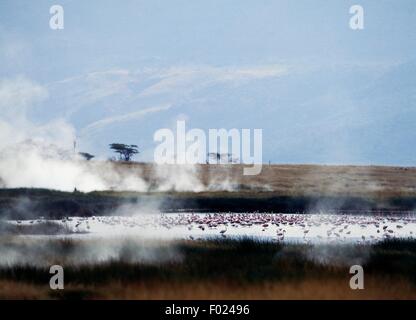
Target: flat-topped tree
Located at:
point(85, 155)
point(125, 151)
point(214, 156)
point(222, 157)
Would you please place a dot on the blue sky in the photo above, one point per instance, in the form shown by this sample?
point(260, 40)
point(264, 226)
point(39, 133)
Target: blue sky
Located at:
point(321, 92)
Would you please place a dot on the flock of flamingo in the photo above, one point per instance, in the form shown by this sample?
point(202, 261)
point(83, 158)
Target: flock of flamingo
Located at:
point(303, 225)
point(280, 227)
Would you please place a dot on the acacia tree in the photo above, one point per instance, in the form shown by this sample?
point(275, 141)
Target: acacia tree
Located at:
point(214, 156)
point(222, 157)
point(125, 151)
point(85, 155)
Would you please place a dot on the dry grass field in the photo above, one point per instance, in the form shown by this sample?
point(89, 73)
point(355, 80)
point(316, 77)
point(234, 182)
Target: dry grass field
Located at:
point(278, 188)
point(376, 289)
point(224, 269)
point(301, 179)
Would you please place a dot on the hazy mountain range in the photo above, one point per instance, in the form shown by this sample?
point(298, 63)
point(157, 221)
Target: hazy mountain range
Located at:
point(335, 114)
point(321, 92)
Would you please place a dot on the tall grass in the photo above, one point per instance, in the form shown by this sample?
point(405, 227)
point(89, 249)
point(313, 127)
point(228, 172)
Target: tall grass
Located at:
point(241, 261)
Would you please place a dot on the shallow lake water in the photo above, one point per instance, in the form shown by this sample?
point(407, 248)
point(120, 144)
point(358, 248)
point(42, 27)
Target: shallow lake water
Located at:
point(280, 227)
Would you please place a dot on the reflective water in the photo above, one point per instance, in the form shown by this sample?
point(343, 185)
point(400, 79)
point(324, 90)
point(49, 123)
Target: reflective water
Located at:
point(280, 227)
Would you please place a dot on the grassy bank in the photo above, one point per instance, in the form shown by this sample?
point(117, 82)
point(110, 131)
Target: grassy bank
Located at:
point(278, 188)
point(34, 203)
point(243, 268)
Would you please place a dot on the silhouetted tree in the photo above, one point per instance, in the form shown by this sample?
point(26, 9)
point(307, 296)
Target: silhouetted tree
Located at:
point(214, 156)
point(87, 156)
point(222, 157)
point(125, 151)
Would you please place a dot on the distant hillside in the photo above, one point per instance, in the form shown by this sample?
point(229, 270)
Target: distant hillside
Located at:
point(279, 188)
point(316, 180)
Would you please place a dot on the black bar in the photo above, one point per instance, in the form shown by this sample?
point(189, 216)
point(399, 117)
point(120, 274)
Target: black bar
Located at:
point(159, 309)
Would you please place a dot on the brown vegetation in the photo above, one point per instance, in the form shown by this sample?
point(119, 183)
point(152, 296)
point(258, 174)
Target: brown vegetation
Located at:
point(375, 288)
point(221, 269)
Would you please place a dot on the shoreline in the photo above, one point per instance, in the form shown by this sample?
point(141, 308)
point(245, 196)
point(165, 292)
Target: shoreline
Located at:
point(34, 203)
